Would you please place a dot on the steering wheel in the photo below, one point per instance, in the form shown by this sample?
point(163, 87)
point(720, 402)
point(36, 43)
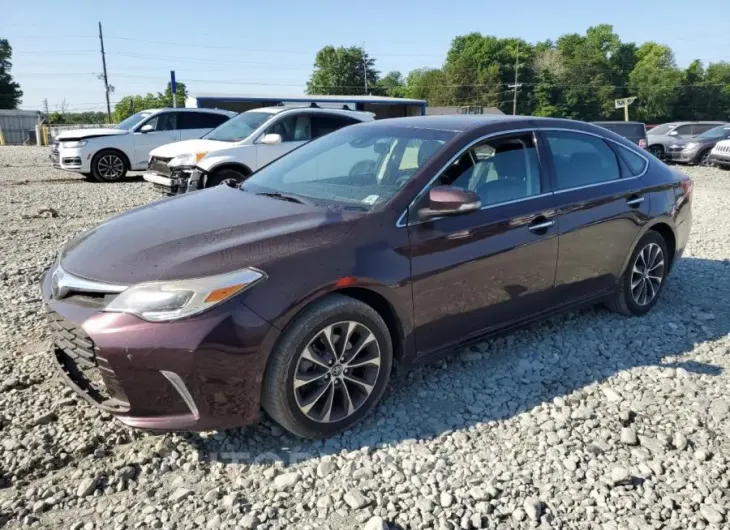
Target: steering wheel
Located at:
point(363, 167)
point(405, 176)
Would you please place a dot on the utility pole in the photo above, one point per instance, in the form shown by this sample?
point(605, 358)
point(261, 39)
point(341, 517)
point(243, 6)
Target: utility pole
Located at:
point(365, 67)
point(516, 84)
point(105, 77)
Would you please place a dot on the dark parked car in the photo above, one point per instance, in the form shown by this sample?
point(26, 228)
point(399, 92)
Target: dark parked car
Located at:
point(391, 241)
point(697, 149)
point(631, 130)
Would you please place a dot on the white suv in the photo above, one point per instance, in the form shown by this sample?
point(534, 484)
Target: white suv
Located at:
point(107, 154)
point(242, 145)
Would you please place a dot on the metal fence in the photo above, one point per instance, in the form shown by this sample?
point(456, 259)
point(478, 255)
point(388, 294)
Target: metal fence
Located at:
point(54, 130)
point(17, 127)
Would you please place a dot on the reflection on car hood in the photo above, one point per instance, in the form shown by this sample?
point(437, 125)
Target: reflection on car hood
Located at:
point(200, 234)
point(189, 146)
point(79, 134)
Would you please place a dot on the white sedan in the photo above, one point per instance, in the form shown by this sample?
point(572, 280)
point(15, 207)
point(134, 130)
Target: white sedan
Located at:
point(107, 154)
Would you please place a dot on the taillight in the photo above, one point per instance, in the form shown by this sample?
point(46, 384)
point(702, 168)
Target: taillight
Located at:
point(687, 186)
point(642, 143)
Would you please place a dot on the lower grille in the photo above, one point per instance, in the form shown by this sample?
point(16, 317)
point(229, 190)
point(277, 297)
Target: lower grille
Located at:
point(159, 165)
point(75, 354)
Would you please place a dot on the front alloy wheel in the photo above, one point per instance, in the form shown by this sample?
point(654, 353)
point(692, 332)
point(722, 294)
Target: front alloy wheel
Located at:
point(336, 372)
point(329, 368)
point(108, 166)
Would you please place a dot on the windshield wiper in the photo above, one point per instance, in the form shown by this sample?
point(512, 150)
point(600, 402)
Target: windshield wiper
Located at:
point(282, 197)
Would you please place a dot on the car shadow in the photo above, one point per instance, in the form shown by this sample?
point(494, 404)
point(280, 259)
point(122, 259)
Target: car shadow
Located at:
point(515, 372)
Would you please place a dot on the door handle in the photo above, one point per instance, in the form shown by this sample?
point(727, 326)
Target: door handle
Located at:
point(635, 201)
point(541, 226)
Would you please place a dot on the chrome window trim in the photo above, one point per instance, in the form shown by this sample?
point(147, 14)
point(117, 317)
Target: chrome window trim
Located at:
point(400, 223)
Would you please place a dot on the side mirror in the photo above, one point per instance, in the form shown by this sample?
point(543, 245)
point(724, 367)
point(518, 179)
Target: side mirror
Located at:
point(146, 128)
point(271, 139)
point(448, 200)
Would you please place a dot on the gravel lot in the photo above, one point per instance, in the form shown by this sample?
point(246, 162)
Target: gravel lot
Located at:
point(589, 420)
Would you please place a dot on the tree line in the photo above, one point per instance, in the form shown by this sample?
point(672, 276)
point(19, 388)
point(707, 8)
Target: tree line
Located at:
point(576, 76)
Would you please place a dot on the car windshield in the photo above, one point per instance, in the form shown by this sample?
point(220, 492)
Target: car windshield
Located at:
point(133, 120)
point(239, 128)
point(717, 132)
point(661, 129)
point(360, 167)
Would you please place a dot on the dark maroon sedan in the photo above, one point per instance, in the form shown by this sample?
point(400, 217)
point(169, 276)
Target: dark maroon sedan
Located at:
point(392, 241)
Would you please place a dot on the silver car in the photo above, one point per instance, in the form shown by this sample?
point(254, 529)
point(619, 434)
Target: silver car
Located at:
point(663, 136)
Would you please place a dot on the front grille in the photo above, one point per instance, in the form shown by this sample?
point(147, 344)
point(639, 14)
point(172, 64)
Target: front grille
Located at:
point(75, 353)
point(159, 165)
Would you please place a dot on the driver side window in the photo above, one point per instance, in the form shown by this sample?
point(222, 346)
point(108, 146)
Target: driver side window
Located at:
point(163, 122)
point(293, 128)
point(498, 170)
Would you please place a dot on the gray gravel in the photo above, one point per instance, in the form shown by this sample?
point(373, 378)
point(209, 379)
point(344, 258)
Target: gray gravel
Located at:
point(588, 420)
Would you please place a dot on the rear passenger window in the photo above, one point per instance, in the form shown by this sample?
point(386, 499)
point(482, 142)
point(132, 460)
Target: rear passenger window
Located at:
point(635, 162)
point(323, 124)
point(581, 160)
point(200, 120)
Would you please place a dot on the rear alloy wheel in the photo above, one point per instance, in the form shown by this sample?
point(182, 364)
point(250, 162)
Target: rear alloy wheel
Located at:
point(329, 369)
point(644, 278)
point(108, 166)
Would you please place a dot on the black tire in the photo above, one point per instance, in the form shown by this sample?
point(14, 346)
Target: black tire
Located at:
point(215, 178)
point(624, 300)
point(278, 395)
point(109, 165)
point(657, 151)
point(704, 158)
point(88, 176)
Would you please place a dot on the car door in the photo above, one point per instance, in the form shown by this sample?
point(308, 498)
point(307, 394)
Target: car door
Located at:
point(164, 131)
point(194, 124)
point(295, 129)
point(601, 208)
point(486, 269)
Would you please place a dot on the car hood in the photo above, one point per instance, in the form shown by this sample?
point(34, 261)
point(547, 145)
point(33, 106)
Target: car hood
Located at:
point(203, 233)
point(88, 133)
point(189, 146)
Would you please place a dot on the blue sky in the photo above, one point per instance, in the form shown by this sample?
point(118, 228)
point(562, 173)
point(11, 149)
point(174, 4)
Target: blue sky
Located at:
point(244, 47)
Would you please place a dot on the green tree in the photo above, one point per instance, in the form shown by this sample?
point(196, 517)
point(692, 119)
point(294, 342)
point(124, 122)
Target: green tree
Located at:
point(341, 71)
point(429, 84)
point(393, 85)
point(10, 93)
point(655, 81)
point(128, 105)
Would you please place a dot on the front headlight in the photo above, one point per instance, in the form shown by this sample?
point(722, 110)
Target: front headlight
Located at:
point(692, 145)
point(173, 300)
point(188, 159)
point(75, 144)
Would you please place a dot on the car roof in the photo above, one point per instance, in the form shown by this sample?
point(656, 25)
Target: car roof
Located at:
point(195, 109)
point(463, 122)
point(361, 115)
point(619, 122)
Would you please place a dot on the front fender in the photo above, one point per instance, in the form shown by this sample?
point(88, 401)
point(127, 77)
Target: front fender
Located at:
point(244, 157)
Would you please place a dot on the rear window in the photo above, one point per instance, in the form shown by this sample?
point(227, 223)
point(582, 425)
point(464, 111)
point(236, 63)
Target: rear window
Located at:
point(635, 162)
point(627, 130)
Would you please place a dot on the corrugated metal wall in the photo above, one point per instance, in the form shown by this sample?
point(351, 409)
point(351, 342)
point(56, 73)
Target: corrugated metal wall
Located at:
point(17, 125)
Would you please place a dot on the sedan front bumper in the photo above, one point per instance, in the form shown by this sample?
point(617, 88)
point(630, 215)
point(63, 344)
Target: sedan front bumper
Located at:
point(202, 373)
point(178, 183)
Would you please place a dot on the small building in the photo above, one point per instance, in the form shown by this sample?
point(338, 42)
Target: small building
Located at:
point(17, 127)
point(439, 111)
point(382, 107)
